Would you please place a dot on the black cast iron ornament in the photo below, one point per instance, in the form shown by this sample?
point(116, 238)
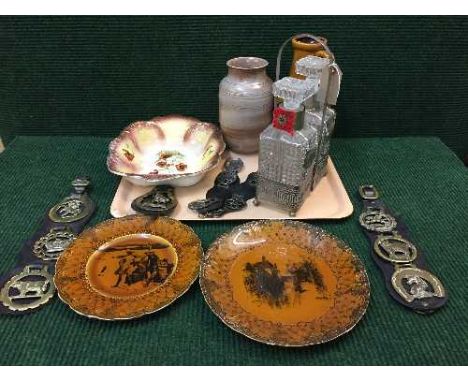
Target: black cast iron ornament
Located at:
point(159, 201)
point(228, 193)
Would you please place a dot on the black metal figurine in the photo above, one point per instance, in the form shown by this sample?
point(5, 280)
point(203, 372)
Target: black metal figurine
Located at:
point(159, 201)
point(228, 193)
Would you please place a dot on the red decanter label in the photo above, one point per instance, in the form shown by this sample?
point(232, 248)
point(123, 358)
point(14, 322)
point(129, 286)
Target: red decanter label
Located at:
point(284, 120)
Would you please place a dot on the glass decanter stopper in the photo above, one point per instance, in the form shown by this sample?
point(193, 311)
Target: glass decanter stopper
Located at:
point(312, 66)
point(294, 92)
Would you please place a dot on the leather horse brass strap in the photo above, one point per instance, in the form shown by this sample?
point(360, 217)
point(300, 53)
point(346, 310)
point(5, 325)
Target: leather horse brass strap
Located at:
point(30, 284)
point(402, 263)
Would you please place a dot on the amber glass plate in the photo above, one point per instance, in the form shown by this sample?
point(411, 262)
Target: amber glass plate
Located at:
point(284, 283)
point(125, 268)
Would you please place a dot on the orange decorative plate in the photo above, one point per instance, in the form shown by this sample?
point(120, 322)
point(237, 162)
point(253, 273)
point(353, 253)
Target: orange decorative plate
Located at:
point(125, 268)
point(284, 283)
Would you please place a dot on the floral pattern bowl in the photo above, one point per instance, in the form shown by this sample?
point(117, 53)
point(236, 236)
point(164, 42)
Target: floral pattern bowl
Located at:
point(172, 149)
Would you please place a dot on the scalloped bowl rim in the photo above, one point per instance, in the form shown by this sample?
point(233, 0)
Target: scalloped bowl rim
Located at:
point(153, 178)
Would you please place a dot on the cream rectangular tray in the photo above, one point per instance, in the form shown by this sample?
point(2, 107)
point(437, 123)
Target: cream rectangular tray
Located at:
point(329, 200)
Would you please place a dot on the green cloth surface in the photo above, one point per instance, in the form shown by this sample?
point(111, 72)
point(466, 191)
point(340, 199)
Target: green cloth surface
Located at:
point(419, 178)
point(402, 75)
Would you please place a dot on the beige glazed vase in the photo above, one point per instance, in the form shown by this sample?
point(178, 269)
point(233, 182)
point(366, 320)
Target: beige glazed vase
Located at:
point(245, 103)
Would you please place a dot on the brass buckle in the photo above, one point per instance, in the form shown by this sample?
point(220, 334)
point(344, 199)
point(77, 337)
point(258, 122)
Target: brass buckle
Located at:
point(368, 192)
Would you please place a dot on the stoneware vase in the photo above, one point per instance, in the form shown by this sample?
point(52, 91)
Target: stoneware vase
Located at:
point(305, 46)
point(245, 103)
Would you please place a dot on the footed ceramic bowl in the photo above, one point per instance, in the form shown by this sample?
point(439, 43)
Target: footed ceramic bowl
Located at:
point(173, 149)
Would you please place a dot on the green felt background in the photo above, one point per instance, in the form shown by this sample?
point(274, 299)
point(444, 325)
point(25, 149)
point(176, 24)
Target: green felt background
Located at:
point(419, 178)
point(95, 75)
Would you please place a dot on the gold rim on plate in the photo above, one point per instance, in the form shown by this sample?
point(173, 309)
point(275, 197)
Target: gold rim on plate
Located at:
point(128, 267)
point(285, 283)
